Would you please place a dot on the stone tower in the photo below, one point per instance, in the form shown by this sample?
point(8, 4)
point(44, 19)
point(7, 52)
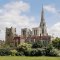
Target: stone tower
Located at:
point(43, 24)
point(10, 34)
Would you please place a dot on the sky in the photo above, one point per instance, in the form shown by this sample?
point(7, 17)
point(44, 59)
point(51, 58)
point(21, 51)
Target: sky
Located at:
point(27, 14)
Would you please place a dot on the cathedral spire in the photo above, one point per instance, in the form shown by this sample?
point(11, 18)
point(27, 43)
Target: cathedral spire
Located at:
point(43, 24)
point(42, 17)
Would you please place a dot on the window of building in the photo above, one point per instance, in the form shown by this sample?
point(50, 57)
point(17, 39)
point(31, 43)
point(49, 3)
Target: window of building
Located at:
point(42, 31)
point(35, 32)
point(24, 32)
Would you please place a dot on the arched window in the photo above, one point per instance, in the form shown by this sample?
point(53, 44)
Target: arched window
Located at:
point(42, 31)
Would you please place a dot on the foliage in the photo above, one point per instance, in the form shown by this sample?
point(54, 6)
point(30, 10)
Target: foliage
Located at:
point(37, 52)
point(30, 50)
point(23, 47)
point(4, 52)
point(56, 43)
point(50, 51)
point(37, 44)
point(13, 52)
point(20, 53)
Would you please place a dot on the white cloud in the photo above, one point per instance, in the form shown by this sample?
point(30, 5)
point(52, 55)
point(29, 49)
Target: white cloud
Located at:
point(11, 15)
point(50, 8)
point(55, 30)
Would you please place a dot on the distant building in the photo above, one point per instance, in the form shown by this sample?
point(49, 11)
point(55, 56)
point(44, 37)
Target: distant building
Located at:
point(36, 31)
point(17, 40)
point(10, 34)
point(25, 32)
point(41, 29)
point(42, 25)
point(36, 34)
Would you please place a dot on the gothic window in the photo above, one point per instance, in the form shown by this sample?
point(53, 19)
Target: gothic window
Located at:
point(34, 32)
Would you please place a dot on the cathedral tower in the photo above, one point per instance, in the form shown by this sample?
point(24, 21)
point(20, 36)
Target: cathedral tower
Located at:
point(10, 34)
point(43, 24)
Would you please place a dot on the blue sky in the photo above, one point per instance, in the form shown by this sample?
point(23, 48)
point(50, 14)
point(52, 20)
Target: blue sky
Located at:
point(27, 14)
point(36, 8)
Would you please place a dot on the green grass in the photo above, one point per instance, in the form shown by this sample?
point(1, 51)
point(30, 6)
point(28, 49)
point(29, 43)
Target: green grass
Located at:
point(28, 58)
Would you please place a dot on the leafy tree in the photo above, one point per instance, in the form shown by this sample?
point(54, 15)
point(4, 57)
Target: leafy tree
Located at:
point(20, 53)
point(56, 43)
point(13, 52)
point(37, 44)
point(36, 52)
point(23, 47)
point(5, 52)
point(51, 51)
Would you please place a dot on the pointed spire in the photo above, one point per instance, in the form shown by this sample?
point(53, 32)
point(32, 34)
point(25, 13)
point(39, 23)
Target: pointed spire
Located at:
point(42, 16)
point(43, 24)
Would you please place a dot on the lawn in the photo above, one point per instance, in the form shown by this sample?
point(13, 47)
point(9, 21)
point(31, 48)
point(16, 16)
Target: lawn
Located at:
point(27, 58)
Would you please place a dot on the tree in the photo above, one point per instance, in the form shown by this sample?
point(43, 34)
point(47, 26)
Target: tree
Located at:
point(56, 43)
point(23, 47)
point(50, 51)
point(5, 52)
point(13, 52)
point(37, 44)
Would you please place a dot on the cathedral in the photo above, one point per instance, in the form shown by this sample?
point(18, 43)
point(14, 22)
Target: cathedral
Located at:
point(36, 34)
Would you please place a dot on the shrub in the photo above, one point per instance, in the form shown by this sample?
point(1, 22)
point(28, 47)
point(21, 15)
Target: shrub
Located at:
point(23, 47)
point(5, 52)
point(51, 52)
point(56, 43)
point(27, 52)
point(13, 52)
point(37, 44)
point(36, 52)
point(20, 53)
point(40, 52)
